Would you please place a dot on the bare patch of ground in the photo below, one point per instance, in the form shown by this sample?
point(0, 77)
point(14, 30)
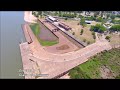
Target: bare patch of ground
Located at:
point(115, 38)
point(63, 47)
point(87, 34)
point(106, 73)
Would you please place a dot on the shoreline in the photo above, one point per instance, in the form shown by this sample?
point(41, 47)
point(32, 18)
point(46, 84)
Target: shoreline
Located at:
point(53, 64)
point(28, 17)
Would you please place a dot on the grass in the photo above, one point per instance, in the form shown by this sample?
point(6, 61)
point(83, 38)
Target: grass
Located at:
point(36, 30)
point(115, 39)
point(87, 34)
point(91, 68)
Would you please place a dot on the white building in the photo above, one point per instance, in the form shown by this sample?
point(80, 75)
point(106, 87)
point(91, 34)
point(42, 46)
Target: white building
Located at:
point(51, 19)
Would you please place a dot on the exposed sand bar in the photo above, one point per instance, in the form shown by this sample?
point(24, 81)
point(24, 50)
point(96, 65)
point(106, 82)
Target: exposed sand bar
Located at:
point(28, 17)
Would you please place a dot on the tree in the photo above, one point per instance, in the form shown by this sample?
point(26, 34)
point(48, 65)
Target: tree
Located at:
point(82, 22)
point(81, 32)
point(90, 18)
point(66, 18)
point(112, 17)
point(73, 33)
point(108, 38)
point(56, 13)
point(107, 16)
point(100, 19)
point(80, 16)
point(88, 42)
point(84, 40)
point(60, 14)
point(98, 28)
point(96, 13)
point(94, 37)
point(115, 28)
point(93, 33)
point(39, 12)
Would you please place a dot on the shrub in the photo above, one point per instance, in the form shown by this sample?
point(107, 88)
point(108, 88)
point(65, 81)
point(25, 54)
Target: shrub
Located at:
point(98, 28)
point(81, 31)
point(73, 33)
point(88, 42)
point(84, 40)
point(93, 33)
point(100, 19)
point(112, 16)
point(107, 37)
point(94, 37)
point(82, 22)
point(115, 28)
point(66, 18)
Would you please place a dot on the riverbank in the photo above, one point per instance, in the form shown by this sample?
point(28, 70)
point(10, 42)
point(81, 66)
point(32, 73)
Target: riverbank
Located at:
point(105, 65)
point(28, 17)
point(43, 63)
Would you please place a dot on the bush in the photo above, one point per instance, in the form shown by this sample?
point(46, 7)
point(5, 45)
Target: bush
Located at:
point(98, 28)
point(84, 40)
point(100, 19)
point(73, 33)
point(82, 22)
point(112, 17)
point(93, 33)
point(115, 21)
point(90, 18)
point(107, 37)
point(81, 32)
point(94, 37)
point(80, 16)
point(118, 16)
point(66, 18)
point(115, 28)
point(88, 42)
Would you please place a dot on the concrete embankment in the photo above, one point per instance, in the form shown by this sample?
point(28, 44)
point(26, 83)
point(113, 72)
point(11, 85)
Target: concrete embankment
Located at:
point(26, 33)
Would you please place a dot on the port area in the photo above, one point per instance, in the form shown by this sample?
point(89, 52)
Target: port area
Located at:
point(41, 63)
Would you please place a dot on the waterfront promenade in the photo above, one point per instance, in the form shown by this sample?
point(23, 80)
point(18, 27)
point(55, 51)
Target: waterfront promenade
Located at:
point(52, 64)
point(47, 65)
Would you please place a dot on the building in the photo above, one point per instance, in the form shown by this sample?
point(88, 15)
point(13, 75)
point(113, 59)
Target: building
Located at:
point(51, 19)
point(66, 27)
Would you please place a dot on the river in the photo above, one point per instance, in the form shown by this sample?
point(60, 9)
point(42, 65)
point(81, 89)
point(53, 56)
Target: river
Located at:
point(11, 35)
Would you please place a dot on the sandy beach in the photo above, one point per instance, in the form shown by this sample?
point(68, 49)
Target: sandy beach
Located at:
point(28, 17)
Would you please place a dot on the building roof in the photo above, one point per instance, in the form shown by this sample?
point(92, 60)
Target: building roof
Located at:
point(52, 18)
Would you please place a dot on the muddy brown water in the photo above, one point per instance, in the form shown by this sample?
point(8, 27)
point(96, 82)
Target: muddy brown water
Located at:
point(11, 34)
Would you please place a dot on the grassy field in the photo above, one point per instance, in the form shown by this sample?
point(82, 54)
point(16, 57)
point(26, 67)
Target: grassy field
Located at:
point(103, 65)
point(36, 30)
point(87, 34)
